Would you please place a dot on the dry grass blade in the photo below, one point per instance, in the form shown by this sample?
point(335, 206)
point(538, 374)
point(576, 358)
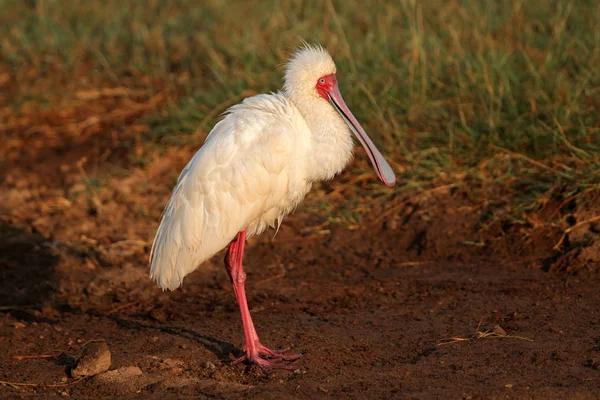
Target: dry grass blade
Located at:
point(122, 307)
point(528, 159)
point(412, 263)
point(109, 92)
point(39, 356)
point(18, 385)
point(571, 229)
point(129, 242)
point(132, 303)
point(495, 333)
point(262, 282)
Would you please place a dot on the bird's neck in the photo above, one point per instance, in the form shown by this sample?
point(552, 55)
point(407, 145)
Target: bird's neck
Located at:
point(331, 141)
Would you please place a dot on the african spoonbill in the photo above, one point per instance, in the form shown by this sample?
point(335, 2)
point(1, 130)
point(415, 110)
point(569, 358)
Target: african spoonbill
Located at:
point(254, 168)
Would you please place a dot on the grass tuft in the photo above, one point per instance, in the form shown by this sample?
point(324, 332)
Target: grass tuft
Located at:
point(487, 94)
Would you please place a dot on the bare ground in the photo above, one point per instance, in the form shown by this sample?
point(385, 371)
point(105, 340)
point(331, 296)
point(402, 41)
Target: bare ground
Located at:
point(420, 303)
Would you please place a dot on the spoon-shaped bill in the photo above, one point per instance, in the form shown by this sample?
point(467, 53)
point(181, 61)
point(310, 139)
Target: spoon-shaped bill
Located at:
point(382, 168)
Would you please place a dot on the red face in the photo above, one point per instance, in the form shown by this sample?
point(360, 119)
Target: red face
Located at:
point(325, 84)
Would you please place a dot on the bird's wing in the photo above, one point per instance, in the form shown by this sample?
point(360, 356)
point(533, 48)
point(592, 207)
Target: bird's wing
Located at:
point(239, 173)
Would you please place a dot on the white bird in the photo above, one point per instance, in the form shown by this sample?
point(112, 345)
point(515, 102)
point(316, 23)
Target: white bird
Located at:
point(254, 168)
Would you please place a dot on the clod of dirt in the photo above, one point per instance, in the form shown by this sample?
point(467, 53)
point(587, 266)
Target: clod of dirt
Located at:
point(94, 360)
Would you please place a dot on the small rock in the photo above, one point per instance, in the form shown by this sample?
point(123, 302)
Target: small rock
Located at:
point(19, 325)
point(210, 365)
point(508, 386)
point(94, 360)
point(499, 331)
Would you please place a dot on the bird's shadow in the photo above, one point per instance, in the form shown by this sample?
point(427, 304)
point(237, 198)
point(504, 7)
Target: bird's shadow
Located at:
point(218, 347)
point(27, 271)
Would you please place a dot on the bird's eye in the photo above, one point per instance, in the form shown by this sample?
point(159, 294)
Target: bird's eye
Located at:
point(322, 81)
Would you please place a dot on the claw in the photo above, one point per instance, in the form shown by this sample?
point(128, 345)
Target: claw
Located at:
point(266, 358)
point(277, 354)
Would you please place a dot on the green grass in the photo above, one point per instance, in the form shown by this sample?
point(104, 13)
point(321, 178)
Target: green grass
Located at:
point(496, 94)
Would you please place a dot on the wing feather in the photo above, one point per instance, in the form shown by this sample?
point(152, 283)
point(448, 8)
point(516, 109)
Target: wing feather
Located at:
point(240, 173)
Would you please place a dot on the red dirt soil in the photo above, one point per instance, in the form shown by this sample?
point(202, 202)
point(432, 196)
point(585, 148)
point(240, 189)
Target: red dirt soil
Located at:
point(421, 304)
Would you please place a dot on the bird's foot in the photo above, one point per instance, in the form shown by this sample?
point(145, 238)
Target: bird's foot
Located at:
point(266, 358)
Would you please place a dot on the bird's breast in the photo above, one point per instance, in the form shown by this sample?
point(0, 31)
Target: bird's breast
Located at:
point(330, 155)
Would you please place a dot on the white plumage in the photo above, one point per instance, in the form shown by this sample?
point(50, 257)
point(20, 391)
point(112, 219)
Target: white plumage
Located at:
point(256, 165)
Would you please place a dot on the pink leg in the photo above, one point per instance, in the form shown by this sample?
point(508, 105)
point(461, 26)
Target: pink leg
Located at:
point(256, 353)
